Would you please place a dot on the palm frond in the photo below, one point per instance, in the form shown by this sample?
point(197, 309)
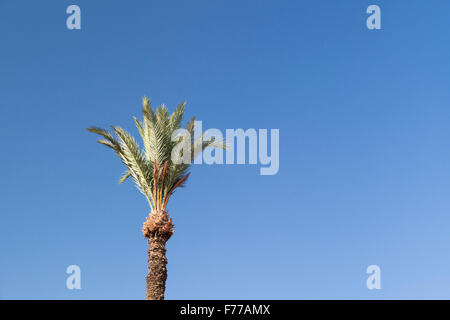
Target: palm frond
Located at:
point(125, 176)
point(134, 160)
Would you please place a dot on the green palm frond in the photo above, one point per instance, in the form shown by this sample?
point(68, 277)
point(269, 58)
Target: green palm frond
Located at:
point(152, 169)
point(177, 116)
point(110, 140)
point(132, 157)
point(125, 176)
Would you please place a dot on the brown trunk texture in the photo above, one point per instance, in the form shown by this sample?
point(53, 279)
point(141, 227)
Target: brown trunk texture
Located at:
point(157, 271)
point(157, 228)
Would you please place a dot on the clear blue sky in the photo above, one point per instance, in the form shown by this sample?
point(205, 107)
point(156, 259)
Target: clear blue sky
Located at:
point(364, 147)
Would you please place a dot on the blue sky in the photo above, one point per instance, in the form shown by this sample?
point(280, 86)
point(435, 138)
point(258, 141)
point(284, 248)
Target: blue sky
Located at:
point(364, 148)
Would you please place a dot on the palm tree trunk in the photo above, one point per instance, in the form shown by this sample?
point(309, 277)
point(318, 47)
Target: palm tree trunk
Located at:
point(157, 271)
point(157, 228)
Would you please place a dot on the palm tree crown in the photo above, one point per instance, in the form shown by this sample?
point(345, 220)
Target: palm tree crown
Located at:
point(153, 170)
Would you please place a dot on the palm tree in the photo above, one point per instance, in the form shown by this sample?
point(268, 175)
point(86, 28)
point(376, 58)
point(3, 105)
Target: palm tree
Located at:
point(157, 176)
